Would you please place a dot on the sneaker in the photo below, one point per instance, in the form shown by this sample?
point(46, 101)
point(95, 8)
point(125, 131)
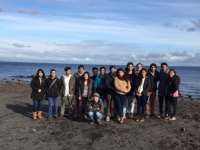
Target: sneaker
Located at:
point(99, 122)
point(159, 116)
point(172, 118)
point(118, 119)
point(91, 123)
point(138, 118)
point(142, 119)
point(60, 117)
point(49, 118)
point(107, 119)
point(167, 118)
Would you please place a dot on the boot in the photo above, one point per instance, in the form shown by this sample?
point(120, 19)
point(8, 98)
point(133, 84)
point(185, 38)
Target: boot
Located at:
point(39, 114)
point(34, 115)
point(118, 119)
point(124, 116)
point(121, 120)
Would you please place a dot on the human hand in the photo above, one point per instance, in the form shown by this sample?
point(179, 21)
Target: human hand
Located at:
point(79, 98)
point(39, 90)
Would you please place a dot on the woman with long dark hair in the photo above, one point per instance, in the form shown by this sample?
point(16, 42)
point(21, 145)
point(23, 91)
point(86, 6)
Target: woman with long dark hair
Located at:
point(122, 87)
point(38, 91)
point(172, 94)
point(85, 91)
point(141, 89)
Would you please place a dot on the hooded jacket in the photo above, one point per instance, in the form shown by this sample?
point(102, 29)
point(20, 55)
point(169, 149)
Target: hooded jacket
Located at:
point(96, 107)
point(163, 78)
point(36, 85)
point(55, 88)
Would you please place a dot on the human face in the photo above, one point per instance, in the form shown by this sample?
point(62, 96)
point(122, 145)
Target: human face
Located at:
point(139, 67)
point(95, 72)
point(53, 74)
point(81, 70)
point(68, 72)
point(121, 73)
point(144, 73)
point(113, 70)
point(171, 74)
point(96, 99)
point(153, 68)
point(130, 67)
point(86, 76)
point(40, 74)
point(102, 71)
point(164, 67)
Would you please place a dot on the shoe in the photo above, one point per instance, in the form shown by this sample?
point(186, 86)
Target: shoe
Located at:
point(172, 118)
point(130, 116)
point(121, 120)
point(49, 118)
point(99, 122)
point(118, 119)
point(147, 116)
point(124, 116)
point(91, 123)
point(167, 118)
point(60, 117)
point(159, 116)
point(34, 115)
point(39, 114)
point(142, 119)
point(107, 119)
point(56, 117)
point(138, 118)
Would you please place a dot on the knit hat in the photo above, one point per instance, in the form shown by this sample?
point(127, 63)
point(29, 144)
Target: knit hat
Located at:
point(96, 95)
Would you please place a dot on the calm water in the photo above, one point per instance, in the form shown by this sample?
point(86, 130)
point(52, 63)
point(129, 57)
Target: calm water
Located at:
point(190, 80)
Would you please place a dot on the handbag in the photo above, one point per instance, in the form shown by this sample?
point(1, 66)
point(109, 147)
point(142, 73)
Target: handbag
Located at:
point(46, 97)
point(176, 94)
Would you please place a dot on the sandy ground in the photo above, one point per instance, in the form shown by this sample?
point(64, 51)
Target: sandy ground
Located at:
point(19, 132)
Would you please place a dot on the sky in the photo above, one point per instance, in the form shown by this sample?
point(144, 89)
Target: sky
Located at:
point(100, 31)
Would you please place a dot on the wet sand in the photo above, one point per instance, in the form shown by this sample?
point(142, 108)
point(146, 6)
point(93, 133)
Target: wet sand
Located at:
point(20, 132)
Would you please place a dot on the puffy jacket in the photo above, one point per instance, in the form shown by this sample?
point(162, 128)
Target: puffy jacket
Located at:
point(96, 107)
point(35, 85)
point(55, 88)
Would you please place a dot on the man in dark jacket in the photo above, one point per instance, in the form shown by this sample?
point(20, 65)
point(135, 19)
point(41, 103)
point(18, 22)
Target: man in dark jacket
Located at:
point(52, 91)
point(110, 90)
point(67, 90)
point(95, 73)
point(78, 77)
point(154, 77)
point(96, 109)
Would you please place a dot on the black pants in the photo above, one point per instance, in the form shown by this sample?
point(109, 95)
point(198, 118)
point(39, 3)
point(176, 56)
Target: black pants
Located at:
point(162, 99)
point(84, 104)
point(172, 101)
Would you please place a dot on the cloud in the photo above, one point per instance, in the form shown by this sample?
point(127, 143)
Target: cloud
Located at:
point(18, 45)
point(180, 54)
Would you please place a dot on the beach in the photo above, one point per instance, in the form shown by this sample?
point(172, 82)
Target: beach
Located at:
point(20, 132)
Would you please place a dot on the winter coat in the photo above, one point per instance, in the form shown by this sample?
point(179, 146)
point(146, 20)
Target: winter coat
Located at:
point(78, 78)
point(122, 87)
point(96, 107)
point(146, 87)
point(55, 88)
point(163, 83)
point(35, 85)
point(154, 79)
point(81, 88)
point(173, 85)
point(72, 83)
point(132, 79)
point(99, 85)
point(110, 88)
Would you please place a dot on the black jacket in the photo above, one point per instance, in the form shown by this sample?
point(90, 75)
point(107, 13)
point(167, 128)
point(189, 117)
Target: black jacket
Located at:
point(109, 81)
point(163, 83)
point(173, 85)
point(154, 79)
point(132, 79)
point(146, 87)
point(78, 78)
point(55, 89)
point(35, 85)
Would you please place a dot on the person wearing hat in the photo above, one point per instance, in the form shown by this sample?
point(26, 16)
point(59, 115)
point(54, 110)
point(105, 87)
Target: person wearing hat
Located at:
point(96, 109)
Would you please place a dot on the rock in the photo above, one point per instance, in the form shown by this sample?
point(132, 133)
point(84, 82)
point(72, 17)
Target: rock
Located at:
point(33, 130)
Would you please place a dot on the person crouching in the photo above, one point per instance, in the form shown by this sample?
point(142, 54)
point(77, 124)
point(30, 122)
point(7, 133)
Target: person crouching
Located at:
point(96, 109)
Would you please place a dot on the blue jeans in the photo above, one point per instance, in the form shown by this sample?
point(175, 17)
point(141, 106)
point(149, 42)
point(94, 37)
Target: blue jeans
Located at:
point(37, 105)
point(120, 100)
point(53, 100)
point(95, 115)
point(131, 104)
point(141, 101)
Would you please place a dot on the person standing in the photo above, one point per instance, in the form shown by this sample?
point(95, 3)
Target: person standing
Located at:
point(110, 91)
point(141, 90)
point(130, 75)
point(85, 92)
point(99, 85)
point(38, 92)
point(122, 87)
point(52, 91)
point(95, 73)
point(67, 90)
point(139, 67)
point(153, 75)
point(96, 109)
point(163, 78)
point(172, 94)
point(78, 77)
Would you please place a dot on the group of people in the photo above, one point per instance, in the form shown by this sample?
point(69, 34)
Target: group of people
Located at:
point(120, 90)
